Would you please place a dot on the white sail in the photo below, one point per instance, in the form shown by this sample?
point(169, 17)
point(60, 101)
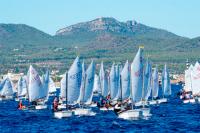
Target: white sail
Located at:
point(96, 87)
point(103, 81)
point(89, 82)
point(188, 79)
point(118, 70)
point(83, 81)
point(63, 86)
point(166, 85)
point(196, 79)
point(35, 87)
point(22, 87)
point(7, 89)
point(147, 81)
point(155, 83)
point(74, 81)
point(125, 81)
point(137, 76)
point(52, 86)
point(113, 82)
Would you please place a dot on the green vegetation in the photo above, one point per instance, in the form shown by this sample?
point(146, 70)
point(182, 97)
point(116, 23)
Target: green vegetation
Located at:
point(110, 41)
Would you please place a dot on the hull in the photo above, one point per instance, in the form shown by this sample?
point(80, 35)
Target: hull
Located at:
point(84, 112)
point(192, 100)
point(146, 112)
point(93, 105)
point(6, 98)
point(131, 114)
point(186, 101)
point(106, 109)
point(153, 102)
point(63, 114)
point(39, 107)
point(62, 106)
point(163, 100)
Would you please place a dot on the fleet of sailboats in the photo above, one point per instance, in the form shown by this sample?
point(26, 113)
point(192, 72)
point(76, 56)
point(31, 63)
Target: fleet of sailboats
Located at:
point(135, 87)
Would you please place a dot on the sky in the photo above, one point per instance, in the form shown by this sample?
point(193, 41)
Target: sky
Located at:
point(181, 17)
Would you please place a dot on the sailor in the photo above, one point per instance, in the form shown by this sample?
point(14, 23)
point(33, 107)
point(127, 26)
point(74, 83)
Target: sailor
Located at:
point(55, 104)
point(20, 105)
point(117, 107)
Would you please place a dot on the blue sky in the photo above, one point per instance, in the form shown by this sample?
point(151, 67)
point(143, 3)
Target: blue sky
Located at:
point(181, 17)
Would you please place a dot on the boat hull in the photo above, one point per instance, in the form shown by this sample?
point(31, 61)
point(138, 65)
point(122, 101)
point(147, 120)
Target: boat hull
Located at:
point(63, 114)
point(153, 102)
point(39, 107)
point(106, 109)
point(130, 114)
point(163, 100)
point(84, 112)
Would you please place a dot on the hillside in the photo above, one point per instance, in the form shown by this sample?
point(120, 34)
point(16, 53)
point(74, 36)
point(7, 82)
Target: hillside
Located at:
point(104, 39)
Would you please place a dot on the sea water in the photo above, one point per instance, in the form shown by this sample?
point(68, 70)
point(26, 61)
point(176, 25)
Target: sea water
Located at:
point(170, 117)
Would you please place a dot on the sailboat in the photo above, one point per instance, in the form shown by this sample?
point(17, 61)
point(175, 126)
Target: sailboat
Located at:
point(113, 83)
point(21, 89)
point(72, 85)
point(155, 87)
point(6, 90)
point(86, 92)
point(147, 82)
point(166, 86)
point(96, 87)
point(103, 85)
point(36, 91)
point(136, 88)
point(188, 84)
point(195, 82)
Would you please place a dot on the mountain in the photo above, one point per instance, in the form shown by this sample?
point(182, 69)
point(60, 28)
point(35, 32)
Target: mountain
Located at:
point(103, 38)
point(21, 34)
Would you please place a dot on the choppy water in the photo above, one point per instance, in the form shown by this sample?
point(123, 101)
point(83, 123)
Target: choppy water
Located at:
point(171, 117)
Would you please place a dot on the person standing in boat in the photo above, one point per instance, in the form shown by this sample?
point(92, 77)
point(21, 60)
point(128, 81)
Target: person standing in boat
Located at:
point(55, 104)
point(118, 107)
point(20, 105)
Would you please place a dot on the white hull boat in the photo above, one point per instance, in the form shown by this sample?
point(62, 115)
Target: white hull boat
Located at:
point(146, 112)
point(63, 114)
point(106, 109)
point(6, 98)
point(39, 107)
point(84, 112)
point(62, 106)
point(192, 100)
point(189, 101)
point(152, 102)
point(131, 114)
point(163, 100)
point(93, 105)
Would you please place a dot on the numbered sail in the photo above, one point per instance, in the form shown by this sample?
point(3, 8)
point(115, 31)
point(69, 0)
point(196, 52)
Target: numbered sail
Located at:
point(137, 76)
point(7, 89)
point(103, 81)
point(155, 83)
point(21, 87)
point(74, 81)
point(35, 87)
point(147, 81)
point(166, 86)
point(125, 81)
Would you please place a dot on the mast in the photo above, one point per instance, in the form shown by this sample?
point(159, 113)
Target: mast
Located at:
point(66, 88)
point(120, 80)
